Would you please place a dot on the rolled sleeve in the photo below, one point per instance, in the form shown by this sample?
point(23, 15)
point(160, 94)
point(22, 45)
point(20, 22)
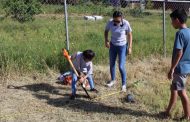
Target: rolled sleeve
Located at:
point(128, 28)
point(90, 69)
point(107, 28)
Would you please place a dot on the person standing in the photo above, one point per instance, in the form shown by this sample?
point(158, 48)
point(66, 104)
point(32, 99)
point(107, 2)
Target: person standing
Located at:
point(120, 44)
point(180, 64)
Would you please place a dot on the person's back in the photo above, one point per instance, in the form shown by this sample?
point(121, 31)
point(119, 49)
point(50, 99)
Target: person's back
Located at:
point(182, 41)
point(83, 63)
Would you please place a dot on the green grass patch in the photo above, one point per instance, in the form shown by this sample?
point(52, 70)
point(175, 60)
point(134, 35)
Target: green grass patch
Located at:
point(36, 45)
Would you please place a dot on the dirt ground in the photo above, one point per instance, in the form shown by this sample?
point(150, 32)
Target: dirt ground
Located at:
point(38, 98)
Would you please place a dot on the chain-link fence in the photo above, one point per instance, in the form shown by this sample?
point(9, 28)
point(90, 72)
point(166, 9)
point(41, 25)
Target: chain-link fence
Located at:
point(87, 20)
point(86, 24)
point(149, 20)
point(170, 31)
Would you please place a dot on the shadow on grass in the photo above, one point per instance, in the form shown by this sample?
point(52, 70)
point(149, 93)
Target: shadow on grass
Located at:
point(39, 87)
point(95, 107)
point(86, 105)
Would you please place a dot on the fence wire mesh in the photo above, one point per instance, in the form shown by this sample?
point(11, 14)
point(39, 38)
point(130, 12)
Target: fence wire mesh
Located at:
point(86, 30)
point(146, 18)
point(86, 24)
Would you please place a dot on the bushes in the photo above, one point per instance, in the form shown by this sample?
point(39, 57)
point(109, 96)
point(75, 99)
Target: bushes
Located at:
point(137, 12)
point(149, 4)
point(22, 10)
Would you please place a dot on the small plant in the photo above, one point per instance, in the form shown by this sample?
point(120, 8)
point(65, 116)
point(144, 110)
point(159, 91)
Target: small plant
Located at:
point(136, 12)
point(149, 4)
point(22, 10)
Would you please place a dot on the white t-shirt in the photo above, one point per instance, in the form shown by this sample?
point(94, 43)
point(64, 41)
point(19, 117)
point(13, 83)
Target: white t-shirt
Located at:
point(81, 65)
point(118, 33)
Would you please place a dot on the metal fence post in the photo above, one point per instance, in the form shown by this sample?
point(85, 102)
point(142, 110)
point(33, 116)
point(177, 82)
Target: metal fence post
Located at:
point(66, 24)
point(164, 28)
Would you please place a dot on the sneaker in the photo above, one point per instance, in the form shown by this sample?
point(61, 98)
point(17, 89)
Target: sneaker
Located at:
point(123, 89)
point(111, 83)
point(94, 90)
point(72, 97)
point(164, 115)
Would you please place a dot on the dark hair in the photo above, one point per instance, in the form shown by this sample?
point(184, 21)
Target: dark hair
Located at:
point(179, 14)
point(88, 54)
point(117, 14)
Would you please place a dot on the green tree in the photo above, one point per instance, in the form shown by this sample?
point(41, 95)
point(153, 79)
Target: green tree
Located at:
point(22, 10)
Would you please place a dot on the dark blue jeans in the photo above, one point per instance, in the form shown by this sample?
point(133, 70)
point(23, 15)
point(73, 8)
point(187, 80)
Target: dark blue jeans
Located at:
point(121, 51)
point(74, 82)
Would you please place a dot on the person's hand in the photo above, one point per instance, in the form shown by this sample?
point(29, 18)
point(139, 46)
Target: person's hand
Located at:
point(129, 50)
point(107, 43)
point(170, 74)
point(81, 79)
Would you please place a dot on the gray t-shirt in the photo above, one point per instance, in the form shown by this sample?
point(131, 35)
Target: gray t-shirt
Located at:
point(118, 33)
point(81, 65)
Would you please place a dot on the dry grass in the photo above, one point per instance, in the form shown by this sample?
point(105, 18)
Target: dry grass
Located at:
point(36, 97)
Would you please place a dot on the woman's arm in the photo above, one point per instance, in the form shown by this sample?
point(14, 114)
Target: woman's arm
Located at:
point(130, 42)
point(107, 43)
point(106, 35)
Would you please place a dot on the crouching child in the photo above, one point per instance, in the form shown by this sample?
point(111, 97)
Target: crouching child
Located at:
point(84, 66)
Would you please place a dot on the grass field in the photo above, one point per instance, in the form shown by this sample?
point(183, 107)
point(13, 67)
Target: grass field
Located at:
point(35, 45)
point(36, 96)
point(31, 59)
